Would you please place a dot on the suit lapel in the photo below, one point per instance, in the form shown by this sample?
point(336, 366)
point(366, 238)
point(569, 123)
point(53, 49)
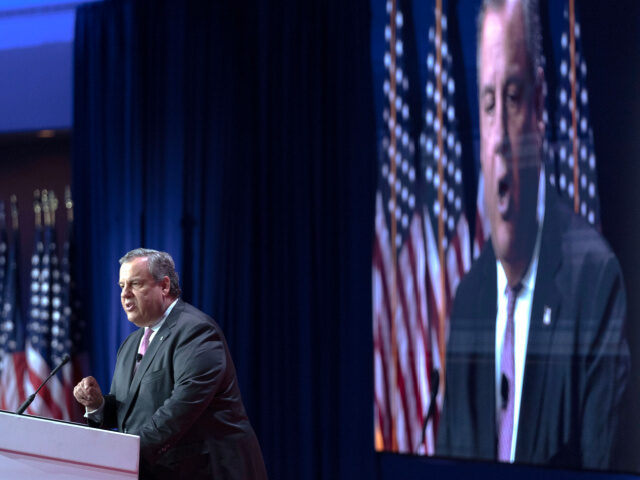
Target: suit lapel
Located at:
point(156, 345)
point(147, 360)
point(476, 349)
point(124, 370)
point(484, 368)
point(542, 326)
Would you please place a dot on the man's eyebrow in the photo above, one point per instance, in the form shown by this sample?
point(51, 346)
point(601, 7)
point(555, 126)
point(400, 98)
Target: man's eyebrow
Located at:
point(132, 279)
point(516, 79)
point(487, 89)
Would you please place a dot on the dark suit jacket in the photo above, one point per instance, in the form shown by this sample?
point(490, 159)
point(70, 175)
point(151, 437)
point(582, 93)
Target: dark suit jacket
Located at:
point(184, 402)
point(576, 366)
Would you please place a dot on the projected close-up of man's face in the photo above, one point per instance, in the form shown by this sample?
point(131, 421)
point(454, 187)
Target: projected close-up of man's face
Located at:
point(510, 136)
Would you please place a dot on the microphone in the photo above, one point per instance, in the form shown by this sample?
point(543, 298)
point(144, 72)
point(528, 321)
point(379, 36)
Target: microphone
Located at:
point(32, 397)
point(138, 357)
point(504, 391)
point(435, 385)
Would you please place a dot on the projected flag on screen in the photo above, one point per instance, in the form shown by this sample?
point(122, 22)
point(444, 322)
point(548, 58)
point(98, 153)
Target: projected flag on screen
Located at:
point(398, 264)
point(576, 159)
point(447, 231)
point(12, 356)
point(420, 249)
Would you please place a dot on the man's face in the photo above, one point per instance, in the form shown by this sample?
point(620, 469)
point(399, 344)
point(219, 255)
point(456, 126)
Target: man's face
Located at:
point(143, 299)
point(511, 135)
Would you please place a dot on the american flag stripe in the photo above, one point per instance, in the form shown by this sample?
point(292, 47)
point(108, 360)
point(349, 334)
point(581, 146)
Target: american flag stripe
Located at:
point(403, 428)
point(458, 261)
point(410, 339)
point(382, 337)
point(420, 320)
point(12, 372)
point(435, 286)
point(381, 401)
point(50, 400)
point(36, 373)
point(384, 264)
point(411, 392)
point(434, 297)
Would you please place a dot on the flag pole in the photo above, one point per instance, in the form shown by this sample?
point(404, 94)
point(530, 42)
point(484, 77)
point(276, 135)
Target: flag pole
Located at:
point(14, 213)
point(68, 203)
point(394, 228)
point(46, 212)
point(442, 308)
point(37, 208)
point(53, 207)
point(3, 218)
point(574, 106)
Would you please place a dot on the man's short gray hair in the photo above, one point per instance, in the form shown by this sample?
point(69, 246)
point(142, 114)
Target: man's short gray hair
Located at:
point(532, 32)
point(160, 265)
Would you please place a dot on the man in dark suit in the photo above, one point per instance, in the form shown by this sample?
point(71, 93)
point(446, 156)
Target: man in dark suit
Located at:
point(537, 360)
point(174, 383)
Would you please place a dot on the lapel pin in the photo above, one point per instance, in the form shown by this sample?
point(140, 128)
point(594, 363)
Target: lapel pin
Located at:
point(546, 318)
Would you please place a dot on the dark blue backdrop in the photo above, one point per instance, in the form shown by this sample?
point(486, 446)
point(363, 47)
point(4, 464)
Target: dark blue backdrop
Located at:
point(240, 137)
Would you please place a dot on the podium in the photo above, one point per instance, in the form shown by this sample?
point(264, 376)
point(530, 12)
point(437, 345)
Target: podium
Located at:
point(39, 448)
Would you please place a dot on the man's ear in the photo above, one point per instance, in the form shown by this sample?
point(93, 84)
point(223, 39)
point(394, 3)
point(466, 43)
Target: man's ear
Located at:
point(166, 285)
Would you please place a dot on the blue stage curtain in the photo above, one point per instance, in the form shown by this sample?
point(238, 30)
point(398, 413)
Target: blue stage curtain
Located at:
point(240, 138)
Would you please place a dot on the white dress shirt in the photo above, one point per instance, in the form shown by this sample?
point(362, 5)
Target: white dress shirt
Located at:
point(521, 317)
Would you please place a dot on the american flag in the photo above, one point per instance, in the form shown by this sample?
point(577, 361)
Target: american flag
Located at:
point(4, 245)
point(398, 263)
point(67, 333)
point(12, 356)
point(575, 154)
point(447, 231)
point(50, 402)
point(418, 256)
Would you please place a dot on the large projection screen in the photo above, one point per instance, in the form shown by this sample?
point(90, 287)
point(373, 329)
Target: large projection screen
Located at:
point(451, 377)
